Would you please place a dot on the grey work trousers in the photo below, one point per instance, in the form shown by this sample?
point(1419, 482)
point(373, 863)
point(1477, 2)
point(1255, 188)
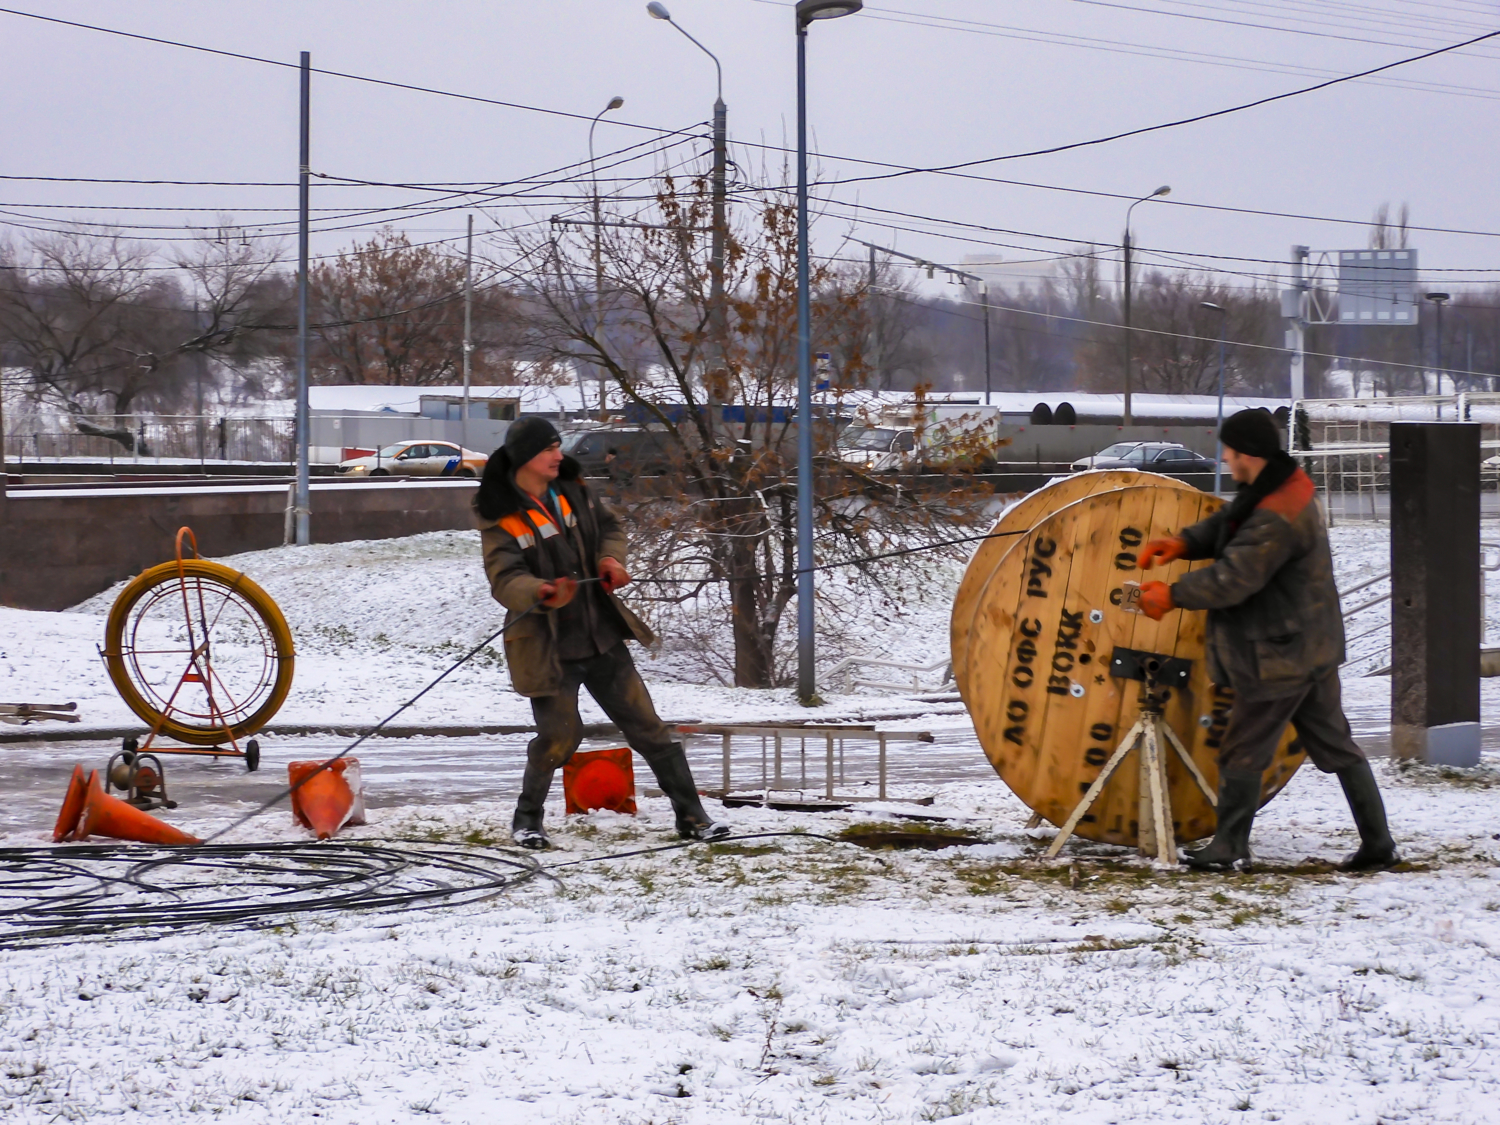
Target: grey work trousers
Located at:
point(1316, 711)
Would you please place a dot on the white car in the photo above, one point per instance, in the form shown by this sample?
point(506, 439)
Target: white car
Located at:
point(878, 448)
point(419, 458)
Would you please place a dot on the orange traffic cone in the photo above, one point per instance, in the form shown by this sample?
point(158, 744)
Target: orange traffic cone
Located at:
point(599, 779)
point(104, 815)
point(72, 806)
point(327, 799)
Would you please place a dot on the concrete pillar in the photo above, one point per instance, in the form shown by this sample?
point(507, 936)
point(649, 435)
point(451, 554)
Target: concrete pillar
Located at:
point(1436, 614)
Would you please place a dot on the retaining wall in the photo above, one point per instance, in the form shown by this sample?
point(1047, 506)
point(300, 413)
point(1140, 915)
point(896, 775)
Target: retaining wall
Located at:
point(60, 546)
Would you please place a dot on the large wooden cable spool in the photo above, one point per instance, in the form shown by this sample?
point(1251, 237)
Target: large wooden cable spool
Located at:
point(1046, 625)
point(1021, 517)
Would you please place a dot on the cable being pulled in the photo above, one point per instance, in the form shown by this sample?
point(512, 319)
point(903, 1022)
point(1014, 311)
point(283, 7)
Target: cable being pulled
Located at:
point(376, 729)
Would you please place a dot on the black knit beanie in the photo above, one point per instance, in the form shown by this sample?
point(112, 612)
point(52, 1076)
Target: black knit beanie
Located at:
point(526, 438)
point(1251, 432)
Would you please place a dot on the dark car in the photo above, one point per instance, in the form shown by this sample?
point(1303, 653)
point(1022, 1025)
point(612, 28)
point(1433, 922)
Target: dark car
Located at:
point(639, 451)
point(1168, 458)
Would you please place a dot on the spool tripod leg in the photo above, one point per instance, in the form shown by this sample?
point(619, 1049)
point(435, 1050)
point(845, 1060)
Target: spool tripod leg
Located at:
point(1155, 809)
point(1192, 766)
point(1126, 744)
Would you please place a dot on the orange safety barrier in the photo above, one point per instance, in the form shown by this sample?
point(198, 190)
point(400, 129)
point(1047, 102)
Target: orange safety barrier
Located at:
point(327, 799)
point(600, 779)
point(72, 806)
point(104, 815)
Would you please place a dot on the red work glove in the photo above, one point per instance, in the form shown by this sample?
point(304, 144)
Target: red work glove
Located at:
point(1163, 551)
point(1156, 600)
point(612, 575)
point(557, 593)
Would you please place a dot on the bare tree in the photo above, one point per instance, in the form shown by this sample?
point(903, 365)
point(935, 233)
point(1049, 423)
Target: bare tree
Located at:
point(723, 522)
point(388, 312)
point(93, 325)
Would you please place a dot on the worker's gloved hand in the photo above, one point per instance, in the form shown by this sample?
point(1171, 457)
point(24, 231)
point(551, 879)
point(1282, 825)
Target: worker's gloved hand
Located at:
point(557, 593)
point(1163, 551)
point(612, 575)
point(1156, 600)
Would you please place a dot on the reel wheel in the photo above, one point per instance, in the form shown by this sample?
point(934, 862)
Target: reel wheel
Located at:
point(199, 652)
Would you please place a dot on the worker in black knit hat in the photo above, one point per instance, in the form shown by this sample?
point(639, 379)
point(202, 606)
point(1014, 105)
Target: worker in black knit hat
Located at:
point(543, 534)
point(1275, 636)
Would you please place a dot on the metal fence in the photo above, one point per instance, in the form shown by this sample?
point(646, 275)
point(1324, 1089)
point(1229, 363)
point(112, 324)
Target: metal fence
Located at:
point(136, 439)
point(1345, 444)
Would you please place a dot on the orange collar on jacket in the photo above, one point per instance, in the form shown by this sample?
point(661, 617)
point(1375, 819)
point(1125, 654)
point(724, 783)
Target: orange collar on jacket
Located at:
point(1295, 493)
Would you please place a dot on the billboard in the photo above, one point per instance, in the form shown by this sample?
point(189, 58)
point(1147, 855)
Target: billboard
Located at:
point(1377, 287)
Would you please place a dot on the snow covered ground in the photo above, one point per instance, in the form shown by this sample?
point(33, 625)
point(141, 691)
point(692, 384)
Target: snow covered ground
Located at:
point(784, 978)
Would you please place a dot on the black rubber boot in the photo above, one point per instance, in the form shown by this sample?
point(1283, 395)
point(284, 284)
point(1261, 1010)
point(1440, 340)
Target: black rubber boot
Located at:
point(676, 781)
point(1377, 850)
point(1229, 850)
point(526, 826)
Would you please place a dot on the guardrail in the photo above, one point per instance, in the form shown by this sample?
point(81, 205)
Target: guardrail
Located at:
point(844, 673)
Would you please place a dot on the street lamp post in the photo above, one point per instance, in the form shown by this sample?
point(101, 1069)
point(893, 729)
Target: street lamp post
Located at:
point(1438, 299)
point(1219, 445)
point(1163, 190)
point(719, 188)
point(614, 103)
point(807, 11)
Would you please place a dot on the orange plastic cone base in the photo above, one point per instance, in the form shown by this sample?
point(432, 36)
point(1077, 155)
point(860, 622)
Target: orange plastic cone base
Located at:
point(326, 799)
point(104, 815)
point(72, 806)
point(600, 779)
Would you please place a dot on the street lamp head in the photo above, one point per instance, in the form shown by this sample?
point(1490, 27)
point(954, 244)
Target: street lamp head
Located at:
point(1165, 189)
point(809, 10)
point(1211, 306)
point(1438, 298)
point(614, 103)
point(658, 11)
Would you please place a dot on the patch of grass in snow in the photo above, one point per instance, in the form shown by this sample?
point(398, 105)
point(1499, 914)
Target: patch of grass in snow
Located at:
point(449, 651)
point(960, 1102)
point(909, 835)
point(714, 850)
point(1410, 772)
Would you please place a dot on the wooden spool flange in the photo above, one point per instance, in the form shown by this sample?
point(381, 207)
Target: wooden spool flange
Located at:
point(1046, 623)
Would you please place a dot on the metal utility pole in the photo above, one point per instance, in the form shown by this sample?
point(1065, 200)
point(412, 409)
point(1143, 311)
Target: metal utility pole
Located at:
point(1126, 419)
point(1165, 189)
point(807, 687)
point(874, 328)
point(984, 295)
point(1294, 309)
point(982, 285)
point(1219, 445)
point(302, 505)
point(614, 103)
point(1438, 299)
point(717, 313)
point(463, 428)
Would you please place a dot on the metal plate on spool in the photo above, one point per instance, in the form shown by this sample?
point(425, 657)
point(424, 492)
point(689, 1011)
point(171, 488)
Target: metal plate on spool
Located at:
point(1022, 516)
point(1046, 623)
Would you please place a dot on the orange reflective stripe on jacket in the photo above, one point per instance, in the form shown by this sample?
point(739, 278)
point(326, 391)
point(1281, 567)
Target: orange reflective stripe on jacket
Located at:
point(540, 524)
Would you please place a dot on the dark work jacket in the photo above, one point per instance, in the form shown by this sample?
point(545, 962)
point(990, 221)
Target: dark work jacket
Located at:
point(1274, 623)
point(517, 563)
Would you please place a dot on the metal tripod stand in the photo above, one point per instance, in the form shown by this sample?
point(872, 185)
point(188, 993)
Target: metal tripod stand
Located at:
point(1155, 816)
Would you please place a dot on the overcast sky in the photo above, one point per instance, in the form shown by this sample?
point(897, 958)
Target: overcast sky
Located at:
point(907, 82)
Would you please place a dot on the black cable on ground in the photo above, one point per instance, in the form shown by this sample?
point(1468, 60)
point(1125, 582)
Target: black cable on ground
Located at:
point(68, 894)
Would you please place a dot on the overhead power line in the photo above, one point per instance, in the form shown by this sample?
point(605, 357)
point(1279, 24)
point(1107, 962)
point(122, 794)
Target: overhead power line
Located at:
point(899, 172)
point(1179, 122)
point(330, 73)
